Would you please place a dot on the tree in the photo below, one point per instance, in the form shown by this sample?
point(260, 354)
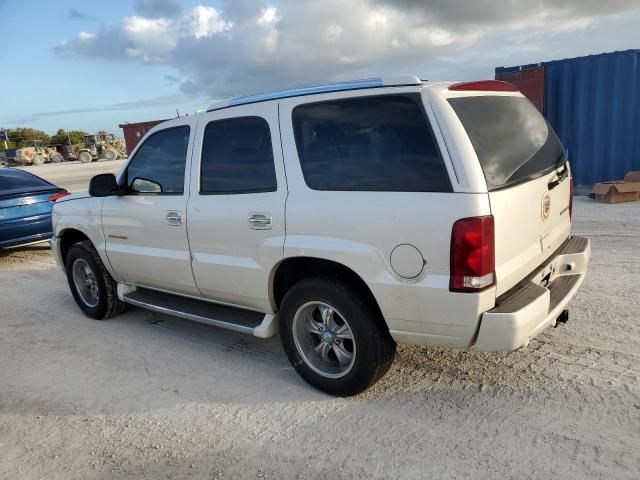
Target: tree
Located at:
point(19, 136)
point(68, 136)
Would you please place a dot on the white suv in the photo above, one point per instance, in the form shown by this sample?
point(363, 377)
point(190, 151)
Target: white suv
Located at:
point(349, 217)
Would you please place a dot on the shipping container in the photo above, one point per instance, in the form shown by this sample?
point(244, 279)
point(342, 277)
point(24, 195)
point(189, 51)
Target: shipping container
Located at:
point(133, 132)
point(530, 81)
point(593, 103)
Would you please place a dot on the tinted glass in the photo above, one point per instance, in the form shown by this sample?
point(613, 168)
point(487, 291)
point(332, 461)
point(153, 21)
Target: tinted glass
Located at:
point(237, 157)
point(13, 179)
point(159, 164)
point(381, 143)
point(511, 138)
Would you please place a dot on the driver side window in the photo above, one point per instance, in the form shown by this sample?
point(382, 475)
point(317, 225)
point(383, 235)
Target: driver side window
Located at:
point(158, 165)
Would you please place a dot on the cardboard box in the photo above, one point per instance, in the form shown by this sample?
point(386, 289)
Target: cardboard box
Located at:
point(627, 190)
point(631, 176)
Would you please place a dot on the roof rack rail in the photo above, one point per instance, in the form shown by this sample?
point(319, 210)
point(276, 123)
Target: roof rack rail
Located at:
point(379, 82)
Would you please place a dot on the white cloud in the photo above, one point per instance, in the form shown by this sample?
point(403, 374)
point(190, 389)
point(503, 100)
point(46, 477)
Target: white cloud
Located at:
point(269, 16)
point(246, 46)
point(85, 36)
point(206, 21)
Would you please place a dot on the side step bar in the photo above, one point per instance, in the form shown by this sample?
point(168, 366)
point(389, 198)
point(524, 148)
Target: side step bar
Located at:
point(231, 318)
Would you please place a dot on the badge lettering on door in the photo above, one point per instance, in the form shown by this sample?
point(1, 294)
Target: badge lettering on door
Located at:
point(118, 237)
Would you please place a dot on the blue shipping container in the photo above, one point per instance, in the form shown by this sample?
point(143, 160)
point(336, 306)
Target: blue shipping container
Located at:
point(593, 103)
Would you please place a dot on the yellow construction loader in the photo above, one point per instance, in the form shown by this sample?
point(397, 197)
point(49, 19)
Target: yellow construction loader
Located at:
point(99, 146)
point(34, 153)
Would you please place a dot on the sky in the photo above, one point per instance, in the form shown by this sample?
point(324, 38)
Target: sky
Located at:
point(92, 65)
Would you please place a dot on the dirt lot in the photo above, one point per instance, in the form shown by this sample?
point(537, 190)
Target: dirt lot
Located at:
point(74, 176)
point(156, 397)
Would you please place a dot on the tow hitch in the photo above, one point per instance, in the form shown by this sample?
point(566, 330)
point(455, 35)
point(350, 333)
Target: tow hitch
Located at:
point(562, 318)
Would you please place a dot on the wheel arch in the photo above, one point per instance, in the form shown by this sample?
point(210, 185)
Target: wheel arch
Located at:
point(68, 238)
point(294, 269)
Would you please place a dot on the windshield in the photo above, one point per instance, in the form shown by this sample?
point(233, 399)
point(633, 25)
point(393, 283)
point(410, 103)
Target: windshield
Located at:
point(513, 141)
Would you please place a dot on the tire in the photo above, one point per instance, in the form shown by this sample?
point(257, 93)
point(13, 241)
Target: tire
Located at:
point(85, 157)
point(81, 256)
point(110, 154)
point(371, 345)
point(56, 158)
point(37, 160)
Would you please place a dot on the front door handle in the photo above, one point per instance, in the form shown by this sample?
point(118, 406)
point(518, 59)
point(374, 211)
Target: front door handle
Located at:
point(260, 221)
point(174, 218)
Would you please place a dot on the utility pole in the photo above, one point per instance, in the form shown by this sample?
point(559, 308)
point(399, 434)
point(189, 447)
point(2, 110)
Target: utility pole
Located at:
point(4, 136)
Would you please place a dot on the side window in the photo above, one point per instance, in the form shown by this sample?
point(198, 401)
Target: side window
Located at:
point(378, 143)
point(237, 157)
point(158, 165)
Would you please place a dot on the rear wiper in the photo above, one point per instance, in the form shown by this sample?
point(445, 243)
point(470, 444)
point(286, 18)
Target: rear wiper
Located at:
point(561, 176)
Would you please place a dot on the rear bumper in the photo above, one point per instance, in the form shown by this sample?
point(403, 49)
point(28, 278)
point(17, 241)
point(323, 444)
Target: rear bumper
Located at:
point(536, 302)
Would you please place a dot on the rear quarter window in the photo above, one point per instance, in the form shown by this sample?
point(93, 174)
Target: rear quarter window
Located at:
point(376, 143)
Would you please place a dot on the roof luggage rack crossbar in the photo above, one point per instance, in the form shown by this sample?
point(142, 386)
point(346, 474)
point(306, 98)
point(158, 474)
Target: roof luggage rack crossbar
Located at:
point(407, 80)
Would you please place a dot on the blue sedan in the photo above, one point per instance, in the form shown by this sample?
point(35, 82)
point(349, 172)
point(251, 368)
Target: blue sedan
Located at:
point(25, 207)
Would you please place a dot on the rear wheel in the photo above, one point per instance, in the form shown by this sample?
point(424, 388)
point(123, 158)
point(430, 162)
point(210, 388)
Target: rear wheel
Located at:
point(85, 157)
point(334, 339)
point(92, 287)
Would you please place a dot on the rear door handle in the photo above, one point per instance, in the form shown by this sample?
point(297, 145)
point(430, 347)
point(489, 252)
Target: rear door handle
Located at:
point(260, 221)
point(174, 218)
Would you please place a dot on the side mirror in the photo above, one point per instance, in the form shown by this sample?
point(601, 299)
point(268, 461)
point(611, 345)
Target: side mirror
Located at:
point(104, 185)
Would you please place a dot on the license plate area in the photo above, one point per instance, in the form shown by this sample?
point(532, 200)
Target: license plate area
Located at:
point(544, 276)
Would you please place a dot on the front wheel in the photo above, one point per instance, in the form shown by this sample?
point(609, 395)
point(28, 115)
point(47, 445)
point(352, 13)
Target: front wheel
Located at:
point(334, 338)
point(92, 287)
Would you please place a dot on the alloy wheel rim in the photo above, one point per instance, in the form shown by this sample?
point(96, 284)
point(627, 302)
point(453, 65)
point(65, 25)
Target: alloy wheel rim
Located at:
point(85, 282)
point(324, 339)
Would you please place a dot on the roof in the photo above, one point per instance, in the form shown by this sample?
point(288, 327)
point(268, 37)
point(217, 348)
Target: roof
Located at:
point(138, 124)
point(378, 82)
point(565, 60)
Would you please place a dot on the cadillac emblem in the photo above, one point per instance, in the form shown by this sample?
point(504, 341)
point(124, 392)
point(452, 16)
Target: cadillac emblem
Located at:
point(546, 205)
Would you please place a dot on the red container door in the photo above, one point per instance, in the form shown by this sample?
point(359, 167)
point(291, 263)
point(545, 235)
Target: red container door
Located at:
point(530, 82)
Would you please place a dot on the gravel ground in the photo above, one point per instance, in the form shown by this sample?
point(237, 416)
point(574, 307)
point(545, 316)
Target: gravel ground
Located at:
point(157, 397)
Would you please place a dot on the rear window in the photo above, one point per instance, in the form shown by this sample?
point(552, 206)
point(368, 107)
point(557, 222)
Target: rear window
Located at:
point(15, 179)
point(512, 139)
point(377, 143)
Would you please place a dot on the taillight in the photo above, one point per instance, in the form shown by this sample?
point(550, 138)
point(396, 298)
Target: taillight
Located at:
point(58, 195)
point(472, 255)
point(571, 189)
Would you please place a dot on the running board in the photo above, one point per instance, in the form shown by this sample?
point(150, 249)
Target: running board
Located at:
point(230, 318)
